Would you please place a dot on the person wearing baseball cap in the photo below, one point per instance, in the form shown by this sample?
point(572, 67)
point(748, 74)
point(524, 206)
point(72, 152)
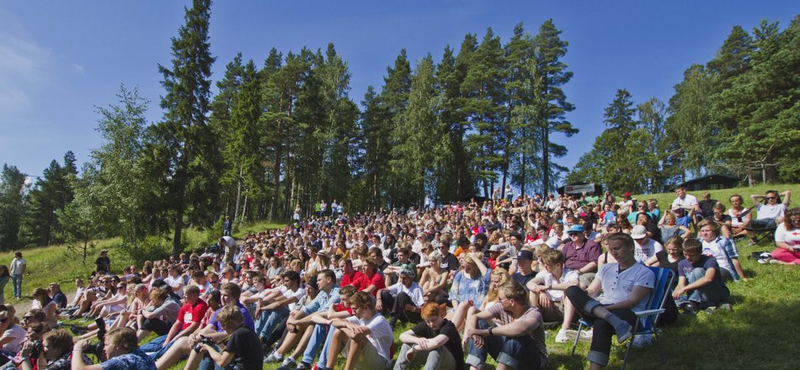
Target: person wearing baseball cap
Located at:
point(644, 246)
point(403, 299)
point(522, 267)
point(581, 254)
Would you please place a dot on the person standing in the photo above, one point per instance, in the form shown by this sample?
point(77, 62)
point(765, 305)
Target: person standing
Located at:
point(103, 263)
point(18, 266)
point(227, 226)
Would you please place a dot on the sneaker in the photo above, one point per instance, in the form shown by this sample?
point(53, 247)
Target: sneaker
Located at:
point(642, 340)
point(562, 337)
point(273, 358)
point(725, 307)
point(303, 366)
point(624, 331)
point(288, 364)
point(586, 335)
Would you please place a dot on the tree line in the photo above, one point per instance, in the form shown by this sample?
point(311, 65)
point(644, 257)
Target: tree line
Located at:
point(737, 114)
point(287, 133)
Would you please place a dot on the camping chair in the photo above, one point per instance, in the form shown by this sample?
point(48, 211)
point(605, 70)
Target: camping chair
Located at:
point(646, 323)
point(760, 233)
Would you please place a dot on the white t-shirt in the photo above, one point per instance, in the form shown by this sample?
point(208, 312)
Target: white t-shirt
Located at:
point(16, 266)
point(735, 217)
point(300, 293)
point(617, 286)
point(176, 283)
point(380, 335)
point(18, 333)
point(712, 249)
point(688, 201)
point(414, 292)
point(548, 279)
point(791, 237)
point(770, 211)
point(644, 252)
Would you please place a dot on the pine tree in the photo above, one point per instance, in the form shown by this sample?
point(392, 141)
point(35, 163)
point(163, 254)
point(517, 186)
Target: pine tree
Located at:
point(550, 101)
point(394, 99)
point(184, 145)
point(12, 185)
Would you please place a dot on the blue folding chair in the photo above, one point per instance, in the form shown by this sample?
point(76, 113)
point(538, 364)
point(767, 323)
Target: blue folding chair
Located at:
point(646, 323)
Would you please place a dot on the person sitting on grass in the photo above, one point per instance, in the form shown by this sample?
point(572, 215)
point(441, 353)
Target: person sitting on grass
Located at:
point(54, 354)
point(121, 351)
point(404, 299)
point(188, 320)
point(625, 286)
point(434, 343)
point(700, 282)
point(242, 351)
point(327, 295)
point(549, 287)
point(740, 216)
point(319, 332)
point(787, 239)
point(721, 248)
point(273, 309)
point(159, 315)
point(509, 330)
point(12, 338)
point(229, 295)
point(469, 287)
point(367, 337)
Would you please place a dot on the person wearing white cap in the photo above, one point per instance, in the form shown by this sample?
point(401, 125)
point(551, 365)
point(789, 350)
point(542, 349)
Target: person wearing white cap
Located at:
point(645, 247)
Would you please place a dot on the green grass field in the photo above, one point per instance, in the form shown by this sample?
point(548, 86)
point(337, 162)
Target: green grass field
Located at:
point(757, 334)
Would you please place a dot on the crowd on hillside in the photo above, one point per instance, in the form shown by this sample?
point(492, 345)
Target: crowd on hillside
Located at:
point(467, 280)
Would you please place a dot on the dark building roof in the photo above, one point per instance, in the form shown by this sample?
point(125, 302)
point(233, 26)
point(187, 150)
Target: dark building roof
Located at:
point(711, 182)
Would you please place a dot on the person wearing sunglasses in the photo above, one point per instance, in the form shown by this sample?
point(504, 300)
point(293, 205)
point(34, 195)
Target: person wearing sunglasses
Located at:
point(769, 209)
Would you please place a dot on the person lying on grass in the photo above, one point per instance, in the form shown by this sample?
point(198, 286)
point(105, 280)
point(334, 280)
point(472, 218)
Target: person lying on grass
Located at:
point(434, 343)
point(366, 337)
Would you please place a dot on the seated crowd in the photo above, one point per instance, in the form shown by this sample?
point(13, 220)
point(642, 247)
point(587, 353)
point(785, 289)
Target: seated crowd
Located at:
point(468, 281)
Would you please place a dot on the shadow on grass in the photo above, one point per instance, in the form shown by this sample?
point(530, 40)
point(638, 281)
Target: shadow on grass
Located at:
point(750, 337)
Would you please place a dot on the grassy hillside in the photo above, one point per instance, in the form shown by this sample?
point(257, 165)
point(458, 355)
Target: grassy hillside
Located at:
point(63, 263)
point(722, 195)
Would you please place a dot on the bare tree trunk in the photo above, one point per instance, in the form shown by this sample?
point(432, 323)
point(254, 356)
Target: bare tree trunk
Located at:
point(238, 195)
point(244, 211)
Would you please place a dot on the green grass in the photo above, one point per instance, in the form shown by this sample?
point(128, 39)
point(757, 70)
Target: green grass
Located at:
point(723, 195)
point(63, 264)
point(757, 334)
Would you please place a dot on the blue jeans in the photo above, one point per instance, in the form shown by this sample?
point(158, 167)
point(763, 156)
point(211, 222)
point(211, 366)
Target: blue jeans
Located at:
point(208, 364)
point(323, 357)
point(514, 352)
point(269, 320)
point(154, 345)
point(16, 281)
point(712, 294)
point(317, 339)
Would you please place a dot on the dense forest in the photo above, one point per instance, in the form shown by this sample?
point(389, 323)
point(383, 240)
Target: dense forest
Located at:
point(285, 132)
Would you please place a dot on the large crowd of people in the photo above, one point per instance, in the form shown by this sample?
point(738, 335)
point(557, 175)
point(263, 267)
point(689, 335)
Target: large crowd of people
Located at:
point(465, 281)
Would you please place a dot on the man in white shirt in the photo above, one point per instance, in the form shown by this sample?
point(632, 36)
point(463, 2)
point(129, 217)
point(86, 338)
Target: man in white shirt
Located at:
point(367, 337)
point(771, 213)
point(404, 299)
point(275, 307)
point(625, 286)
point(685, 201)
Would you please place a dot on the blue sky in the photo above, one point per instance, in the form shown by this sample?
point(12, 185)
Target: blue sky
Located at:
point(58, 60)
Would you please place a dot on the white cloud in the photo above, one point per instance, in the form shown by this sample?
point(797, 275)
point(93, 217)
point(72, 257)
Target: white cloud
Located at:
point(78, 68)
point(23, 68)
